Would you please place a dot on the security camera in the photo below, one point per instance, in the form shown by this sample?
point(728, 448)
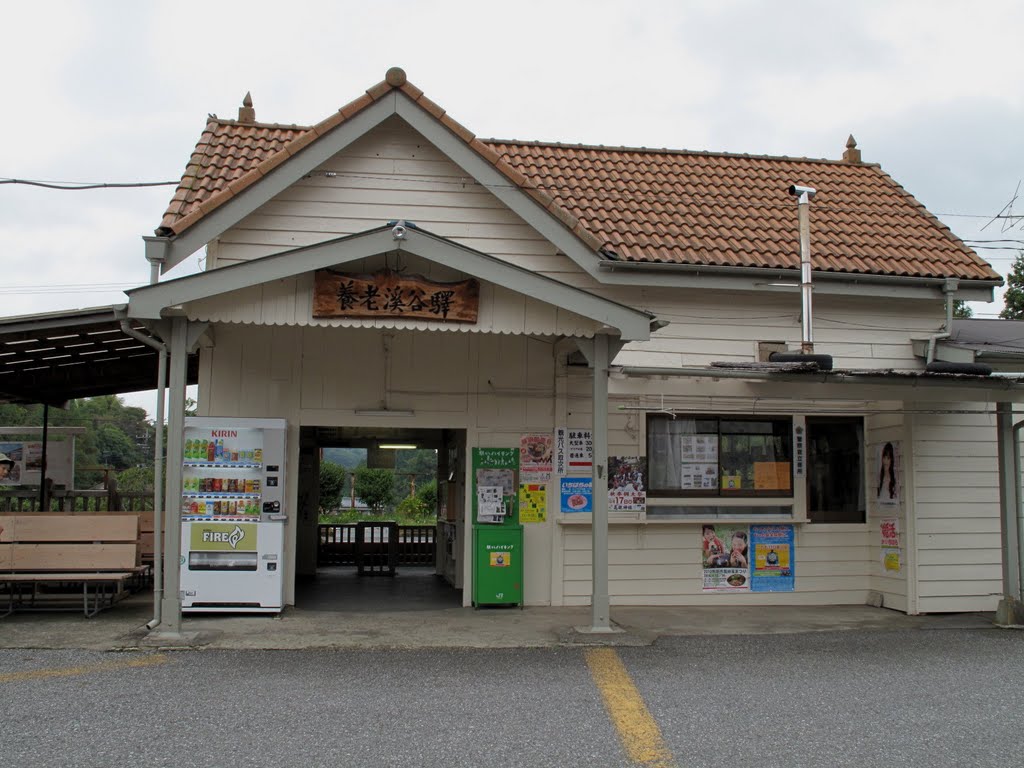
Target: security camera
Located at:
point(797, 191)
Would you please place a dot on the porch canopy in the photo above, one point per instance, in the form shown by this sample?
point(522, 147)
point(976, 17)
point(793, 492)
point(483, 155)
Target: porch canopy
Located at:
point(53, 357)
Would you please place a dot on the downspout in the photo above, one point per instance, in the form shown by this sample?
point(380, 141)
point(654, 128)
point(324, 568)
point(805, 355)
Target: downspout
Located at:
point(1019, 512)
point(158, 467)
point(949, 287)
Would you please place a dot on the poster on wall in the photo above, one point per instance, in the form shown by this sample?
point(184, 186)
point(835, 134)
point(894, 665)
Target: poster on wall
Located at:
point(890, 534)
point(577, 495)
point(24, 464)
point(774, 558)
point(536, 457)
point(533, 503)
point(887, 473)
point(725, 558)
point(627, 491)
point(580, 451)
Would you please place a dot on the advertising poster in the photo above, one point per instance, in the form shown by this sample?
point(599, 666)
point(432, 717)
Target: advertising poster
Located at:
point(887, 473)
point(627, 491)
point(536, 456)
point(533, 503)
point(890, 534)
point(774, 561)
point(577, 495)
point(24, 465)
point(13, 468)
point(725, 557)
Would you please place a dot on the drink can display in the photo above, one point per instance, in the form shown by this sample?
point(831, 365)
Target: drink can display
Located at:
point(248, 485)
point(257, 455)
point(194, 508)
point(255, 486)
point(188, 449)
point(209, 508)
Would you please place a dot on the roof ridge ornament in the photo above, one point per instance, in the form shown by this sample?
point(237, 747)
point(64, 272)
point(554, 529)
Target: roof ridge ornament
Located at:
point(246, 113)
point(852, 154)
point(395, 77)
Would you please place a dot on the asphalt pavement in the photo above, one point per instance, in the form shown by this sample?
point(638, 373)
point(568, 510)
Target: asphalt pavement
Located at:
point(861, 697)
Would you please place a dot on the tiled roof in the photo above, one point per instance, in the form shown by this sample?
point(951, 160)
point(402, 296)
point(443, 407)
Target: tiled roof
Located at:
point(642, 205)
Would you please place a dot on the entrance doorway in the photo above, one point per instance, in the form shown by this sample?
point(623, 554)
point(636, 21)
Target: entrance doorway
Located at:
point(380, 512)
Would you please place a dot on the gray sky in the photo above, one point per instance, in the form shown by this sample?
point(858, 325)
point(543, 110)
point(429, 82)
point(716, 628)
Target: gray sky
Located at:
point(119, 92)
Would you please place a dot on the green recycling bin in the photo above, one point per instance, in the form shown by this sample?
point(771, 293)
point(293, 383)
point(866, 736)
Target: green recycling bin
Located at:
point(498, 565)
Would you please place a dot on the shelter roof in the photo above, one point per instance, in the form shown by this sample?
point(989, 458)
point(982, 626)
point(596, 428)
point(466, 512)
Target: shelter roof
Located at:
point(54, 357)
point(639, 205)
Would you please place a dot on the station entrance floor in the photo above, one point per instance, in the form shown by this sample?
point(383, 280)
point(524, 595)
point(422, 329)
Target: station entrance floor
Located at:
point(340, 589)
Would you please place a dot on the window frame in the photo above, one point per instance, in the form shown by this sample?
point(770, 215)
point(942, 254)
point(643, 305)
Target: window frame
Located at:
point(718, 493)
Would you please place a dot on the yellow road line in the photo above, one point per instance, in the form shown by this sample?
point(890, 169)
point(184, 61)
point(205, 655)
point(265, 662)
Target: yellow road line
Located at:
point(40, 674)
point(638, 732)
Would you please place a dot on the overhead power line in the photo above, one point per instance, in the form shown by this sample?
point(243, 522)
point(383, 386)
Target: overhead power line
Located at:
point(76, 186)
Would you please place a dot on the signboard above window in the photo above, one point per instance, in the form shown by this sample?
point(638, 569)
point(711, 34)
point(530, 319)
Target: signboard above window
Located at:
point(390, 294)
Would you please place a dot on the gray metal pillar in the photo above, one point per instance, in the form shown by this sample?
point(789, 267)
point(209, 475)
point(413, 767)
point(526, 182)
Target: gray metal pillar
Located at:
point(170, 614)
point(600, 621)
point(1010, 610)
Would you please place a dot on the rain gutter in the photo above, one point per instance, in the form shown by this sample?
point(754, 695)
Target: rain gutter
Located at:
point(158, 467)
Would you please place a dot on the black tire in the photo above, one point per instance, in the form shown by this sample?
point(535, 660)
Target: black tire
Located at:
point(970, 369)
point(824, 362)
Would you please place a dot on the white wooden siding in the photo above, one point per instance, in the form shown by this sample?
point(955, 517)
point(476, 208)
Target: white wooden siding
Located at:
point(661, 565)
point(391, 173)
point(956, 487)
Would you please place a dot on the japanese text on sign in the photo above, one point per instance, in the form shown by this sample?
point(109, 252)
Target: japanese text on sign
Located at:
point(388, 294)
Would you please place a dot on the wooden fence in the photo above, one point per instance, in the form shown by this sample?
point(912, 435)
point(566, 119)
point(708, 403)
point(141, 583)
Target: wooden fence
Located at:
point(20, 502)
point(414, 543)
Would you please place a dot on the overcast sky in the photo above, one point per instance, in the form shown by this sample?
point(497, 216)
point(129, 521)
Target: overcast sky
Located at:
point(119, 92)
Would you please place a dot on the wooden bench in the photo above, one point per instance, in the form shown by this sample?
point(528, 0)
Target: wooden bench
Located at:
point(50, 562)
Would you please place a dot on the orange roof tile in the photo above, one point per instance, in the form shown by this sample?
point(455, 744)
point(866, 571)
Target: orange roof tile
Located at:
point(641, 205)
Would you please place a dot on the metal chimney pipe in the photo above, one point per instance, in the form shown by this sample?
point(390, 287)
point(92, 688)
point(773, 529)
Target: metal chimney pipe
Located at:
point(804, 195)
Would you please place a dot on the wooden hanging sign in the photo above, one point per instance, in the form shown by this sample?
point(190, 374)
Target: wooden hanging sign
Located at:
point(389, 294)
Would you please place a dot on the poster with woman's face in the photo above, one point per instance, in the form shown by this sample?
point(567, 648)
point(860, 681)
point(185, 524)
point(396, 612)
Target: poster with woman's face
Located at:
point(887, 473)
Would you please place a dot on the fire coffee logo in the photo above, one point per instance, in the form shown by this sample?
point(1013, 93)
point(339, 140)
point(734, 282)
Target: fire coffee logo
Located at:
point(223, 537)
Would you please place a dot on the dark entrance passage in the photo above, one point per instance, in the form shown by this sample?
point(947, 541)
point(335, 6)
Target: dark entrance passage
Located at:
point(340, 589)
point(359, 559)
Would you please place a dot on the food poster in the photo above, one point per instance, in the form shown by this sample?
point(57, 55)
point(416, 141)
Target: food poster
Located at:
point(890, 533)
point(627, 491)
point(536, 457)
point(494, 480)
point(887, 473)
point(699, 461)
point(774, 564)
point(725, 556)
point(577, 495)
point(24, 462)
point(533, 503)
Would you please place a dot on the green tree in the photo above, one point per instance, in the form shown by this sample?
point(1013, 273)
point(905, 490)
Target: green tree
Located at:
point(375, 487)
point(1013, 299)
point(135, 480)
point(427, 495)
point(961, 311)
point(333, 479)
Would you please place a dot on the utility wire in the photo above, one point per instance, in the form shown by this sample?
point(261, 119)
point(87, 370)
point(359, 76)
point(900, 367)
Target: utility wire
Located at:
point(75, 186)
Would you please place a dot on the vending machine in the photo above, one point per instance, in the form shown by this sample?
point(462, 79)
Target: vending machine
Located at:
point(233, 515)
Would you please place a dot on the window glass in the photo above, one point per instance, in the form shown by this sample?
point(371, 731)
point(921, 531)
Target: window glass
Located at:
point(835, 470)
point(713, 456)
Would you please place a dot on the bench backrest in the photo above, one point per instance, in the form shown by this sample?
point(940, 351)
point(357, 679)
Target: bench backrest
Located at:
point(68, 542)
